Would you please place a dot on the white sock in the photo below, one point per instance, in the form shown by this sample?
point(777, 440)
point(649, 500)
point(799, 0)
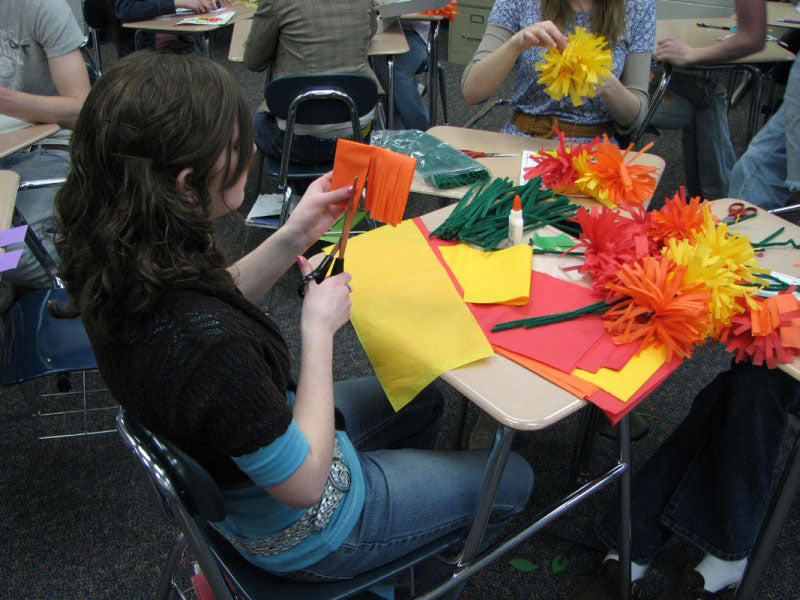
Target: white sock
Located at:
point(718, 574)
point(637, 570)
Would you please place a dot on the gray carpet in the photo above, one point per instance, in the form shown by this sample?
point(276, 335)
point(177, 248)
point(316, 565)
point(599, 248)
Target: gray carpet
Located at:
point(78, 522)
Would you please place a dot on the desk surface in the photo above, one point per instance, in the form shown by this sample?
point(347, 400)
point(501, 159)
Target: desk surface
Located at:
point(390, 41)
point(16, 140)
point(169, 23)
point(782, 10)
point(9, 181)
point(687, 31)
point(510, 166)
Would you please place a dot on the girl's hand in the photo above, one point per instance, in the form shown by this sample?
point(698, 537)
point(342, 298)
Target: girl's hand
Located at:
point(198, 6)
point(674, 51)
point(326, 306)
point(315, 212)
point(544, 33)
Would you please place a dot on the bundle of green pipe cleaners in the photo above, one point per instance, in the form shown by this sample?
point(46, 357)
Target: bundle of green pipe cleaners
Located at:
point(481, 216)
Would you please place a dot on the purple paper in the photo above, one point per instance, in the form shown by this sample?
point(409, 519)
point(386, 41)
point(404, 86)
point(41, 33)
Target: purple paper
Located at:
point(13, 236)
point(9, 260)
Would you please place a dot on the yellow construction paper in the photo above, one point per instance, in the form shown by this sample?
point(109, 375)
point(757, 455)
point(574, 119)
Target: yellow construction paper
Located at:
point(499, 277)
point(626, 382)
point(410, 319)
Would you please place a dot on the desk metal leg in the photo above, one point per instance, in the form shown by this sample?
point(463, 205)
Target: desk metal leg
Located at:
point(433, 72)
point(624, 435)
point(390, 91)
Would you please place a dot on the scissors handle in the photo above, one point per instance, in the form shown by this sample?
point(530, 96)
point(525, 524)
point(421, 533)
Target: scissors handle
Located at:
point(338, 266)
point(317, 275)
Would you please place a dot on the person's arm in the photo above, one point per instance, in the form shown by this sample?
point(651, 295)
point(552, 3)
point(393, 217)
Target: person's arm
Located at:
point(128, 11)
point(498, 51)
point(751, 17)
point(256, 272)
point(71, 79)
point(627, 98)
point(262, 42)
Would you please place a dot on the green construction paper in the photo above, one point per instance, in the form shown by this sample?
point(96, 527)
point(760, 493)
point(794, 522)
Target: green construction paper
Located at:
point(523, 564)
point(554, 242)
point(332, 235)
point(560, 563)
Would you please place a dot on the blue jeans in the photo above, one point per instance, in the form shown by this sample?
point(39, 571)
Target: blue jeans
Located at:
point(770, 168)
point(699, 110)
point(37, 208)
point(410, 110)
point(710, 479)
point(413, 495)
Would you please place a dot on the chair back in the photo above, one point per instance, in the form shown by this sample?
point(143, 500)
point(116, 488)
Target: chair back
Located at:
point(96, 13)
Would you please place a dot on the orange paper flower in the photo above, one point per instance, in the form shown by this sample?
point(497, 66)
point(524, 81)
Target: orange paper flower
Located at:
point(556, 167)
point(660, 309)
point(449, 11)
point(679, 219)
point(610, 179)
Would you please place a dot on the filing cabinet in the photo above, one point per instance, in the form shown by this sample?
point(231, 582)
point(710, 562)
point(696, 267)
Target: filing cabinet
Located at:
point(467, 29)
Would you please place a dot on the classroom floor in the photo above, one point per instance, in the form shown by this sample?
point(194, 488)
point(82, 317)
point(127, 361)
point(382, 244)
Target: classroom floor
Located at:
point(79, 523)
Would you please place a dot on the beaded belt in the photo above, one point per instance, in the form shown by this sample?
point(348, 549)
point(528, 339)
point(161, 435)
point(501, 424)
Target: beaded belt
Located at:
point(314, 519)
point(542, 126)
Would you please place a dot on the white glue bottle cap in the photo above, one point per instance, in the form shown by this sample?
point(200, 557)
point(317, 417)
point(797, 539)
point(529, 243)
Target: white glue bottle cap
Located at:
point(515, 223)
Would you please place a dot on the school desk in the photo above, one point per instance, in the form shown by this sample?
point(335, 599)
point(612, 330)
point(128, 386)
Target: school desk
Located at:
point(509, 166)
point(22, 138)
point(687, 31)
point(388, 43)
point(778, 11)
point(169, 23)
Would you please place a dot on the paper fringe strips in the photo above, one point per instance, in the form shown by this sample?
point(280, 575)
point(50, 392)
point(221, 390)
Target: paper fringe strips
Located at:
point(674, 286)
point(576, 70)
point(388, 176)
point(449, 11)
point(599, 169)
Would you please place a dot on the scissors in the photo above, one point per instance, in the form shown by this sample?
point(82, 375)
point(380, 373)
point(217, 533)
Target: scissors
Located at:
point(339, 247)
point(737, 212)
point(476, 154)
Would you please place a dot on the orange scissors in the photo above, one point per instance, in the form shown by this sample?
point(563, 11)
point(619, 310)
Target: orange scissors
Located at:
point(737, 212)
point(476, 154)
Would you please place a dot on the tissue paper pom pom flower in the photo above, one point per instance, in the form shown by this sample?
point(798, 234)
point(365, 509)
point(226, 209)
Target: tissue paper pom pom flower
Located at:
point(555, 166)
point(449, 12)
point(734, 248)
point(660, 309)
point(576, 70)
point(768, 332)
point(609, 241)
point(679, 219)
point(607, 177)
point(711, 270)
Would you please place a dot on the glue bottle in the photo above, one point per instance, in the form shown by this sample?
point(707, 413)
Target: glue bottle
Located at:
point(515, 223)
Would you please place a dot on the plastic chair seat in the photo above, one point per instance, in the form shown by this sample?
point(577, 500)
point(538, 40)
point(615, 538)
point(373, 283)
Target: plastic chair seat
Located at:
point(37, 344)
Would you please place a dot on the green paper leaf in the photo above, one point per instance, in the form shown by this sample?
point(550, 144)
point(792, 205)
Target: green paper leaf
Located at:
point(554, 242)
point(560, 563)
point(523, 564)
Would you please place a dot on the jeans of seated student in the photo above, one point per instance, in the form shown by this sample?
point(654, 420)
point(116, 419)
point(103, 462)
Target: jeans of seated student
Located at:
point(410, 110)
point(710, 479)
point(306, 149)
point(769, 170)
point(413, 495)
point(36, 206)
point(698, 107)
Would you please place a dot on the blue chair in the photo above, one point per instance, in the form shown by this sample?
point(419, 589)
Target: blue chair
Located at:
point(318, 99)
point(36, 344)
point(191, 500)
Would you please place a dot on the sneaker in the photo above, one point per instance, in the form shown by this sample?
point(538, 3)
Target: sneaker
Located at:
point(604, 584)
point(638, 424)
point(692, 588)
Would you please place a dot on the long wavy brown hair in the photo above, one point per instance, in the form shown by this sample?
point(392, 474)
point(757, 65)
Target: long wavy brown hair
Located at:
point(125, 232)
point(608, 17)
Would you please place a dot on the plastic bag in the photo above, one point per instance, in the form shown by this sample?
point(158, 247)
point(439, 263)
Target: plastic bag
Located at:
point(438, 162)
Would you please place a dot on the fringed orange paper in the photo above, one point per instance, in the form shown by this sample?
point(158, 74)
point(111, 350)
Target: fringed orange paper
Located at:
point(610, 179)
point(556, 166)
point(679, 219)
point(449, 11)
point(660, 309)
point(387, 175)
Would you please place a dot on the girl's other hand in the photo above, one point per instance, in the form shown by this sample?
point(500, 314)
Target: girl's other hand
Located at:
point(326, 306)
point(198, 6)
point(673, 51)
point(544, 33)
point(316, 212)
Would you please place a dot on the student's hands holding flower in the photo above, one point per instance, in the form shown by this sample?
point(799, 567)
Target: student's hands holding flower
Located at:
point(543, 33)
point(316, 212)
point(326, 306)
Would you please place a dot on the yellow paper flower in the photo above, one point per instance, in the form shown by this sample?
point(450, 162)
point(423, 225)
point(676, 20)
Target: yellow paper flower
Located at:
point(576, 70)
point(734, 248)
point(589, 181)
point(712, 270)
